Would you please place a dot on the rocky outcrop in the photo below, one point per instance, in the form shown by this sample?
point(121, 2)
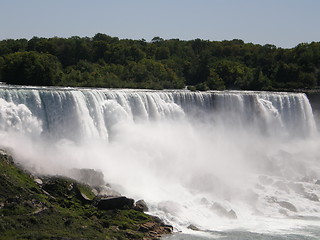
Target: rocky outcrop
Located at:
point(154, 229)
point(111, 203)
point(56, 207)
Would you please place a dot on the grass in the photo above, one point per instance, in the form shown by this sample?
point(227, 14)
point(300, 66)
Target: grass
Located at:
point(56, 210)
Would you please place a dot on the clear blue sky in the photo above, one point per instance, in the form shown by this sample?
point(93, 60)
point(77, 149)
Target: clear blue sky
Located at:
point(284, 23)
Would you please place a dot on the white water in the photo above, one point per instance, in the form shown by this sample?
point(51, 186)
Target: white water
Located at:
point(180, 151)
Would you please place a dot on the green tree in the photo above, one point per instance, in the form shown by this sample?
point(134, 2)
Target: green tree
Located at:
point(31, 68)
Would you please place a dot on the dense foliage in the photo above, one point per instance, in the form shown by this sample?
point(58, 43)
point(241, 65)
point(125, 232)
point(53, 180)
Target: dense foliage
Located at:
point(104, 61)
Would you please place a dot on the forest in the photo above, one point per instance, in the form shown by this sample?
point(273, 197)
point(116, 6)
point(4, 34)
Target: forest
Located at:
point(110, 62)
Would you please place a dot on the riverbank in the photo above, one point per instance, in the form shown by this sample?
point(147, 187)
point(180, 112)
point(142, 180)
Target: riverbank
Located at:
point(53, 207)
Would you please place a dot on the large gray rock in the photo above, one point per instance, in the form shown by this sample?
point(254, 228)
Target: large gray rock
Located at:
point(222, 212)
point(106, 191)
point(141, 206)
point(115, 203)
point(288, 206)
point(312, 197)
point(88, 176)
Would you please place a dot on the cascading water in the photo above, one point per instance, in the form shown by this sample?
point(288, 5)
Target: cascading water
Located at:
point(216, 160)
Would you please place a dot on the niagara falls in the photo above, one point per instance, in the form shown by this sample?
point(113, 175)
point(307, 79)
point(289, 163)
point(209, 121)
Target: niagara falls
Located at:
point(219, 161)
point(160, 120)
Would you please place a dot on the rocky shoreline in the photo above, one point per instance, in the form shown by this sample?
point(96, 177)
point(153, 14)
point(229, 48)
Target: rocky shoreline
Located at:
point(80, 207)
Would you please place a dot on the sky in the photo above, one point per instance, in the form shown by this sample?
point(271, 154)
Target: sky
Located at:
point(284, 23)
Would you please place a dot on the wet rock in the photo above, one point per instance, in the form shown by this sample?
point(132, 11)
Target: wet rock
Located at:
point(115, 203)
point(154, 230)
point(193, 227)
point(312, 197)
point(283, 212)
point(288, 206)
point(141, 206)
point(317, 182)
point(222, 212)
point(149, 226)
point(232, 214)
point(88, 176)
point(106, 191)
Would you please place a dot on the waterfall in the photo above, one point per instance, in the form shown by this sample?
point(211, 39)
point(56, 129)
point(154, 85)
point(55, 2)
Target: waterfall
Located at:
point(184, 152)
point(81, 113)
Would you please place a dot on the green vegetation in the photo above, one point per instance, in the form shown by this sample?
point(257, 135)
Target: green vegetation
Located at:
point(105, 61)
point(54, 209)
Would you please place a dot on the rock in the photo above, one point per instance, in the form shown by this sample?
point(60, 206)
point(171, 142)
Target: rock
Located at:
point(155, 230)
point(141, 206)
point(88, 176)
point(95, 192)
point(312, 197)
point(38, 181)
point(317, 182)
point(107, 191)
point(85, 197)
point(288, 206)
point(193, 227)
point(149, 226)
point(232, 214)
point(204, 201)
point(283, 212)
point(114, 203)
point(222, 212)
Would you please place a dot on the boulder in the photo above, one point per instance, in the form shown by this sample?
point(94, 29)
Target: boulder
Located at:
point(114, 203)
point(88, 176)
point(288, 206)
point(222, 212)
point(312, 197)
point(193, 227)
point(317, 182)
point(106, 191)
point(141, 206)
point(232, 214)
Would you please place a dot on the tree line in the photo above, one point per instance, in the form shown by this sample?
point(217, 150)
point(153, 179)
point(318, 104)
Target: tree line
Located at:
point(105, 61)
